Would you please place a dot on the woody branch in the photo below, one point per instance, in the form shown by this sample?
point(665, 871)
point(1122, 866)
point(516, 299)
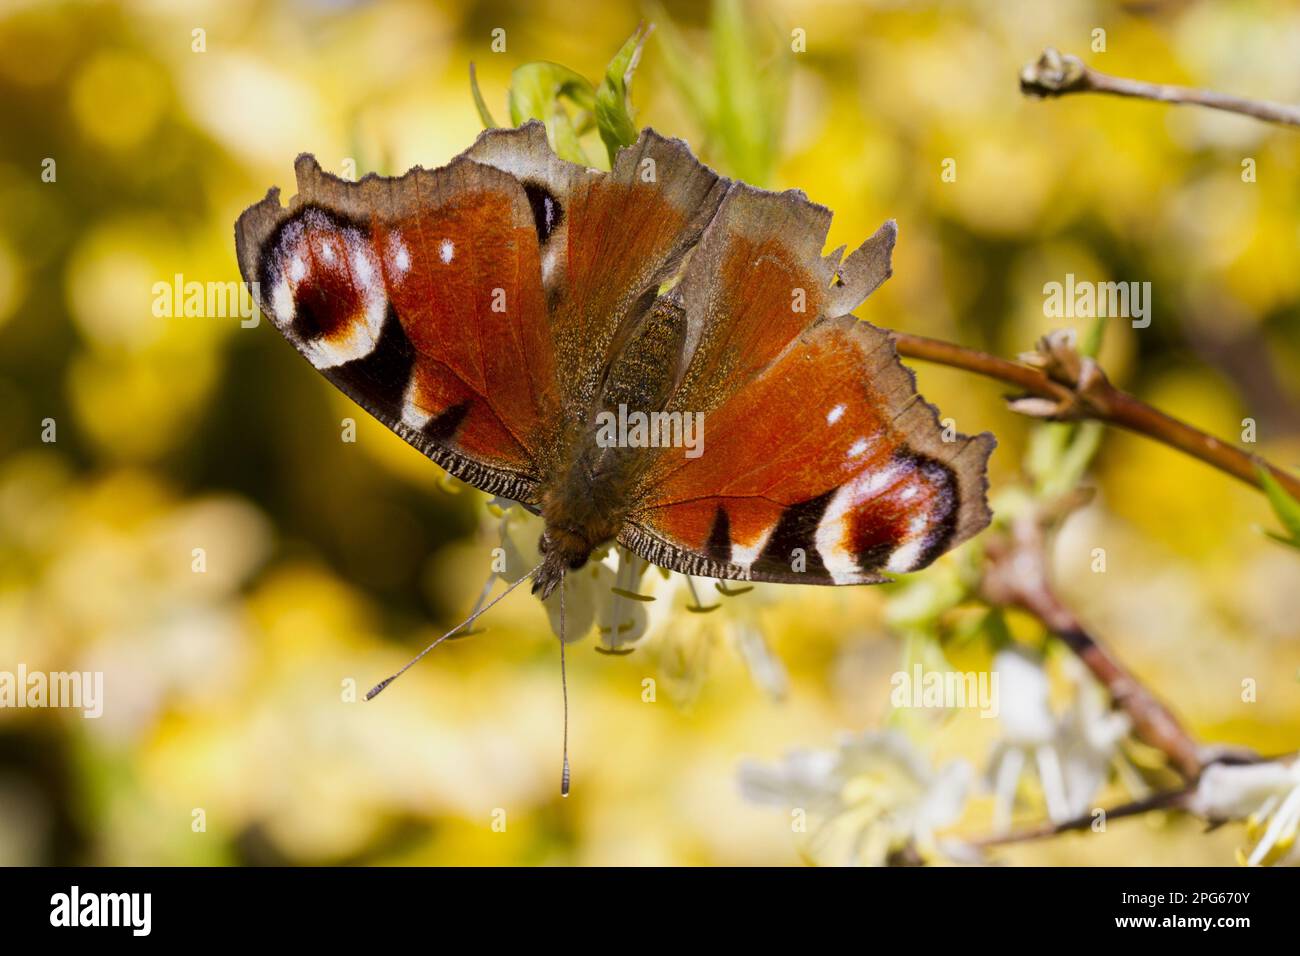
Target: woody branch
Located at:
point(1061, 385)
point(1159, 801)
point(1056, 74)
point(1016, 575)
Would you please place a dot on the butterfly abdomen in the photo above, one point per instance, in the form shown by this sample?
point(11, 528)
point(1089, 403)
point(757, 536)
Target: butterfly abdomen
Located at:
point(642, 376)
point(585, 503)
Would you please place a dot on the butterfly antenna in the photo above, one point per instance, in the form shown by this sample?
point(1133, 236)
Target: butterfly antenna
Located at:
point(480, 609)
point(564, 687)
point(483, 595)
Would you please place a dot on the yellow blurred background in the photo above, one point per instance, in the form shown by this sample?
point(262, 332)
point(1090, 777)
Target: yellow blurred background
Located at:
point(232, 694)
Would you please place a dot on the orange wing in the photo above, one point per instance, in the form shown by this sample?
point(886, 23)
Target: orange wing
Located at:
point(821, 464)
point(421, 299)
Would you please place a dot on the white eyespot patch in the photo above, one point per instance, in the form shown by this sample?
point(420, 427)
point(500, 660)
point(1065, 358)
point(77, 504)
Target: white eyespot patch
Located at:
point(334, 314)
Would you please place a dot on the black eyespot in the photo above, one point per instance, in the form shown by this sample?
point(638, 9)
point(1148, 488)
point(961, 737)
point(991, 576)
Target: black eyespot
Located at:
point(381, 376)
point(443, 426)
point(797, 528)
point(547, 212)
point(718, 547)
point(945, 507)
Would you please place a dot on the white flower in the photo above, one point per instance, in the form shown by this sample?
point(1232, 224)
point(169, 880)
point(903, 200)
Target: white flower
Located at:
point(765, 667)
point(591, 595)
point(629, 608)
point(875, 794)
point(1070, 754)
point(1265, 795)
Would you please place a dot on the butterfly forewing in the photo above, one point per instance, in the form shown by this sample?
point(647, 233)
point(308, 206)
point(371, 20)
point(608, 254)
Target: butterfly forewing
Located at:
point(420, 298)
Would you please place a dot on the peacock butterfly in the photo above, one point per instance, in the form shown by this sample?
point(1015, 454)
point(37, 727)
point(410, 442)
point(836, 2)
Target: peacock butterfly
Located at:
point(490, 310)
point(495, 311)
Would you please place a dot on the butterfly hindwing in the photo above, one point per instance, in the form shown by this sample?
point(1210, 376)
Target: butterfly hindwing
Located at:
point(756, 280)
point(821, 464)
point(827, 469)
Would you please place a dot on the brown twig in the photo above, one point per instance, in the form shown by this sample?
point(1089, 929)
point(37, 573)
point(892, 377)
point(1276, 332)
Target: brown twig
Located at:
point(1016, 575)
point(1067, 387)
point(1055, 74)
point(1159, 801)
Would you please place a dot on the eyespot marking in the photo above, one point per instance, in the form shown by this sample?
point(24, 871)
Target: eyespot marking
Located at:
point(547, 212)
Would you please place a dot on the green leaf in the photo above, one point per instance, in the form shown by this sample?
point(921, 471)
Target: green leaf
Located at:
point(536, 92)
point(483, 113)
point(565, 137)
point(1078, 456)
point(1091, 343)
point(1282, 539)
point(1059, 453)
point(741, 111)
point(918, 602)
point(1285, 507)
point(368, 159)
point(614, 98)
point(681, 64)
point(994, 627)
point(751, 96)
point(740, 108)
